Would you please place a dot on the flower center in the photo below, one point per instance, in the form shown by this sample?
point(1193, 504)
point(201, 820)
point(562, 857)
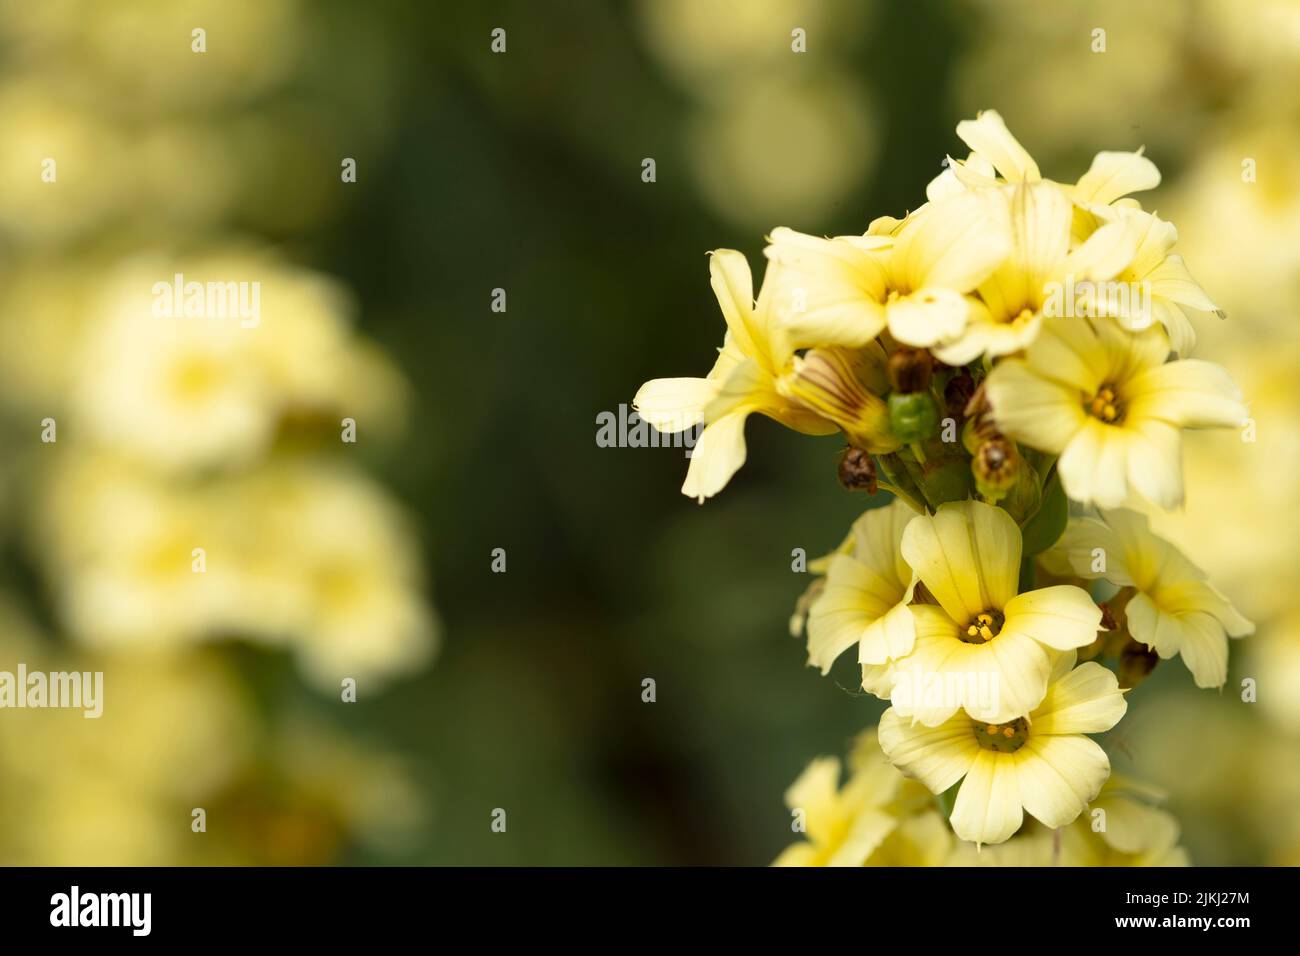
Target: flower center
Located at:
point(985, 626)
point(1021, 318)
point(1003, 738)
point(1105, 406)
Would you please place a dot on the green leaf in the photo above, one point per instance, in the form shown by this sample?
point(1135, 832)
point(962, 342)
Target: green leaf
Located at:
point(1047, 524)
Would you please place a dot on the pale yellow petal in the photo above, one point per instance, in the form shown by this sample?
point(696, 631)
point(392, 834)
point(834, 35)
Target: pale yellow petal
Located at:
point(854, 599)
point(1105, 253)
point(996, 543)
point(1113, 175)
point(1091, 550)
point(868, 830)
point(674, 404)
point(1155, 462)
point(1190, 393)
point(1198, 637)
point(734, 287)
point(831, 290)
point(928, 316)
point(1087, 700)
point(717, 456)
point(1063, 617)
point(1023, 667)
point(816, 794)
point(994, 682)
point(937, 756)
point(1171, 280)
point(988, 136)
point(1094, 465)
point(1040, 230)
point(1032, 408)
point(1059, 776)
point(988, 808)
point(889, 638)
point(799, 854)
point(955, 244)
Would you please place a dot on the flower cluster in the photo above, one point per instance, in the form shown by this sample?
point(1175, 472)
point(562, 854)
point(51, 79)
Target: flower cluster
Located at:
point(1011, 362)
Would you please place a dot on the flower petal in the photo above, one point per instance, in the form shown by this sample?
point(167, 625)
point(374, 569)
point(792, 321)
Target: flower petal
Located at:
point(937, 756)
point(1035, 409)
point(718, 454)
point(928, 316)
point(1190, 393)
point(674, 404)
point(831, 290)
point(968, 556)
point(1063, 617)
point(988, 136)
point(1113, 175)
point(988, 808)
point(733, 285)
point(1059, 776)
point(1087, 700)
point(953, 244)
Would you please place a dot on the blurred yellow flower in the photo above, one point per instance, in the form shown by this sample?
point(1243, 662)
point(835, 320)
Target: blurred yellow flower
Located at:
point(305, 554)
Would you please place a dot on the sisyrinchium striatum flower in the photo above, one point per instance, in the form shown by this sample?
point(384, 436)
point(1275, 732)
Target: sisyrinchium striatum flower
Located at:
point(1008, 367)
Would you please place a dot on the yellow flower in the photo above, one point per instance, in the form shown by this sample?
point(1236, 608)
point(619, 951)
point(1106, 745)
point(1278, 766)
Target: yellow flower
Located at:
point(1040, 763)
point(983, 648)
point(1120, 828)
point(995, 153)
point(755, 352)
point(1123, 828)
point(866, 594)
point(879, 817)
point(1112, 407)
point(843, 826)
point(914, 283)
point(1028, 283)
point(1175, 611)
point(1168, 287)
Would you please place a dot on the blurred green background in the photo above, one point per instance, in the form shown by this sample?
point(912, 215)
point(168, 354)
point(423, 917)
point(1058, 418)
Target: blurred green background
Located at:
point(522, 170)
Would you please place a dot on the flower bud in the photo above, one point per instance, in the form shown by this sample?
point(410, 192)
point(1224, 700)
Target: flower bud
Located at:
point(957, 394)
point(1136, 662)
point(910, 369)
point(996, 467)
point(913, 416)
point(830, 383)
point(858, 471)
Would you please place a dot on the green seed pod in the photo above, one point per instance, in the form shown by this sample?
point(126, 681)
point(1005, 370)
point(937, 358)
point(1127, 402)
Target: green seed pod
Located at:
point(913, 416)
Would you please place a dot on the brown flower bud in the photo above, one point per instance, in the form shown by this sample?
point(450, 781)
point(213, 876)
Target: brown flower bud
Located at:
point(858, 471)
point(910, 369)
point(996, 467)
point(958, 393)
point(1136, 662)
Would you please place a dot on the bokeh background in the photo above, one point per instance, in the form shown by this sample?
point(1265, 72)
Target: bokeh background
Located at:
point(522, 171)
